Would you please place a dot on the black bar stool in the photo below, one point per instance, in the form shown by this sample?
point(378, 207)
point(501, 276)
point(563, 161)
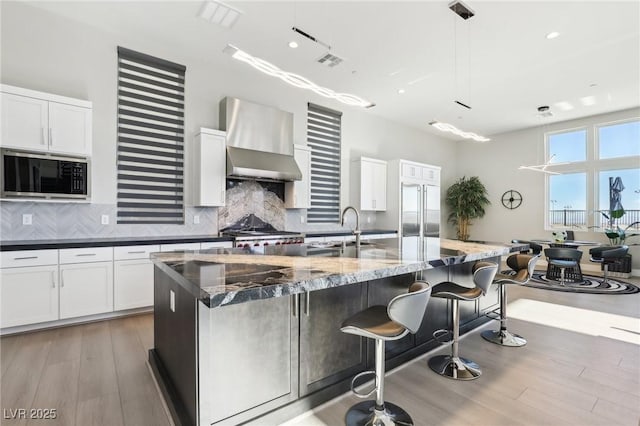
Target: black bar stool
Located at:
point(608, 256)
point(523, 265)
point(403, 315)
point(454, 366)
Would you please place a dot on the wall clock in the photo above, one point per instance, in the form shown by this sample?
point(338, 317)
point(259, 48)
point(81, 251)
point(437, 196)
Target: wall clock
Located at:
point(511, 199)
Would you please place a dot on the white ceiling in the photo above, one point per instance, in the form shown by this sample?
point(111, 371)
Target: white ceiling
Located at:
point(505, 69)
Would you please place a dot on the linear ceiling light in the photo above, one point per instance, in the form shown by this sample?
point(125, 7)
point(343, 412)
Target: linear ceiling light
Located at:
point(294, 79)
point(543, 167)
point(445, 127)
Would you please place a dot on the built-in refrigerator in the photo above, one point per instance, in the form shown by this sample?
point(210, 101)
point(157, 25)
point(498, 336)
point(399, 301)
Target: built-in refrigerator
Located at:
point(419, 210)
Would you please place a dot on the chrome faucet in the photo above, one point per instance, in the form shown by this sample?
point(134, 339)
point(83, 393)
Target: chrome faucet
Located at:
point(356, 231)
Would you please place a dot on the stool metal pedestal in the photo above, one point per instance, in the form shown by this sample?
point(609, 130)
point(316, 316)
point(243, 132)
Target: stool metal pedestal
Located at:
point(403, 315)
point(454, 366)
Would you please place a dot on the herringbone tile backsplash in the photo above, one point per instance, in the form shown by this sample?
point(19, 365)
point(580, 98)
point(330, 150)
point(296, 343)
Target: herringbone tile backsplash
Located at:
point(80, 220)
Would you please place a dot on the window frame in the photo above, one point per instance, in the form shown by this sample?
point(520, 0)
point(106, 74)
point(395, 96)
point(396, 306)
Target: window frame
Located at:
point(150, 161)
point(592, 167)
point(331, 214)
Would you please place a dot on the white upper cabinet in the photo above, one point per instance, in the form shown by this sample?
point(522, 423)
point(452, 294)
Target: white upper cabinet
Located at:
point(369, 186)
point(69, 129)
point(43, 122)
point(298, 194)
point(209, 168)
point(25, 122)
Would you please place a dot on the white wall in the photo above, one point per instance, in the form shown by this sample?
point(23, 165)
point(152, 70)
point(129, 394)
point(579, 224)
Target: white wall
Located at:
point(496, 164)
point(43, 51)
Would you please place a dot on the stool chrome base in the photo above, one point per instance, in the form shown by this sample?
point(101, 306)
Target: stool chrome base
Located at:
point(365, 414)
point(455, 368)
point(504, 338)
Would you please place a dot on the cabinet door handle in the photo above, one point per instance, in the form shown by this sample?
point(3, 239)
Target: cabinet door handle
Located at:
point(136, 252)
point(295, 305)
point(25, 258)
point(85, 254)
point(307, 298)
point(61, 279)
point(50, 136)
point(53, 280)
point(44, 136)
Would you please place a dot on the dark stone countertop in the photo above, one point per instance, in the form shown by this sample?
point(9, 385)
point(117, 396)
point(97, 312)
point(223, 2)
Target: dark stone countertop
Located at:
point(221, 277)
point(105, 242)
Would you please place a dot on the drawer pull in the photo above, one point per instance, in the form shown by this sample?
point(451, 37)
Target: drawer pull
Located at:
point(85, 254)
point(25, 258)
point(136, 252)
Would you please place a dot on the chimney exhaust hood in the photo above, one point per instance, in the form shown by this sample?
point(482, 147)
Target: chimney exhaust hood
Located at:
point(259, 141)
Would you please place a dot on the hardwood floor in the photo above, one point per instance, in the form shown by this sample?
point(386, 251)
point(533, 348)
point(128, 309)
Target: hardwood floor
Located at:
point(92, 374)
point(561, 377)
point(96, 374)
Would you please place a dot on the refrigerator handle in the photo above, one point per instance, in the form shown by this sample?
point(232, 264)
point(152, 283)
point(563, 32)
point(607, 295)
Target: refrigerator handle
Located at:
point(421, 198)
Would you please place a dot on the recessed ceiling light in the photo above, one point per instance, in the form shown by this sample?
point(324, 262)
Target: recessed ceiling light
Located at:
point(293, 44)
point(400, 91)
point(552, 35)
point(564, 105)
point(219, 13)
point(588, 100)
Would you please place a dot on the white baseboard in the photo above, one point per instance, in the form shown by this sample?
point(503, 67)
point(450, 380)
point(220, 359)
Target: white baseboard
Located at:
point(72, 321)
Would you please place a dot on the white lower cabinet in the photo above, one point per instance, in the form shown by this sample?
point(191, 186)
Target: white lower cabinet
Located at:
point(133, 276)
point(132, 284)
point(28, 295)
point(86, 289)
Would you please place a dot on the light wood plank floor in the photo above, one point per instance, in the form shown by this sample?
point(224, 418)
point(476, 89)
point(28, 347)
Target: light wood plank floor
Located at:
point(96, 374)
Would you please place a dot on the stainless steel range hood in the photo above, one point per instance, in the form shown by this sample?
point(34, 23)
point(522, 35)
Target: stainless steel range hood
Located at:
point(259, 141)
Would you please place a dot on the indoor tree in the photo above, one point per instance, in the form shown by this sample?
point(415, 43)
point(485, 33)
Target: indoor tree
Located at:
point(466, 200)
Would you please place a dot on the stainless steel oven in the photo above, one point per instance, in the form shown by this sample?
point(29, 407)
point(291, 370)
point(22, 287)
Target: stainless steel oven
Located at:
point(44, 176)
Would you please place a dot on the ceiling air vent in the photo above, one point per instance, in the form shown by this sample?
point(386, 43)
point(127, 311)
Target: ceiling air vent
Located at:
point(330, 60)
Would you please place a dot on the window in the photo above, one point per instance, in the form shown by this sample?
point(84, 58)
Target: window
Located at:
point(590, 156)
point(150, 139)
point(567, 146)
point(568, 200)
point(323, 137)
point(619, 140)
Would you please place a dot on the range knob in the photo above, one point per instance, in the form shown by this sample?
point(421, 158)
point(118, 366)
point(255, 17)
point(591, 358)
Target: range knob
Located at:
point(256, 244)
point(266, 243)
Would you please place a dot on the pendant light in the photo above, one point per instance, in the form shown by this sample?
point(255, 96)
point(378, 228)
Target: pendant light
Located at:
point(464, 12)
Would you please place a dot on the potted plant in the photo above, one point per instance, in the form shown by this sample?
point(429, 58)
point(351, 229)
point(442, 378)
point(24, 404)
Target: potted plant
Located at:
point(466, 199)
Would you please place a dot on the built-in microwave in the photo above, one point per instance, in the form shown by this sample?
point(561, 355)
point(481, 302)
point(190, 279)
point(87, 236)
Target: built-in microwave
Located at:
point(44, 176)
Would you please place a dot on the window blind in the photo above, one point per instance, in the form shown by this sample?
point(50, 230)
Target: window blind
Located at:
point(323, 137)
point(150, 158)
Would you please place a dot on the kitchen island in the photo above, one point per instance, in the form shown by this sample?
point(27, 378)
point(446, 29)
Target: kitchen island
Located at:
point(253, 334)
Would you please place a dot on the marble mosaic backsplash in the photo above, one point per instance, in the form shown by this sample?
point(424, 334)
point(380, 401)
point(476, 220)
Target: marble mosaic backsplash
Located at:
point(243, 197)
point(81, 220)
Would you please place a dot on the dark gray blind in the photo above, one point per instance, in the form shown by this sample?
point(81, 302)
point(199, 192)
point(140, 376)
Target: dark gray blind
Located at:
point(150, 139)
point(323, 137)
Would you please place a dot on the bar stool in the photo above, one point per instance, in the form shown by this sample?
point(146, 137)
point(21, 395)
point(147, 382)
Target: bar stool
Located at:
point(392, 322)
point(608, 256)
point(564, 258)
point(454, 366)
point(523, 265)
